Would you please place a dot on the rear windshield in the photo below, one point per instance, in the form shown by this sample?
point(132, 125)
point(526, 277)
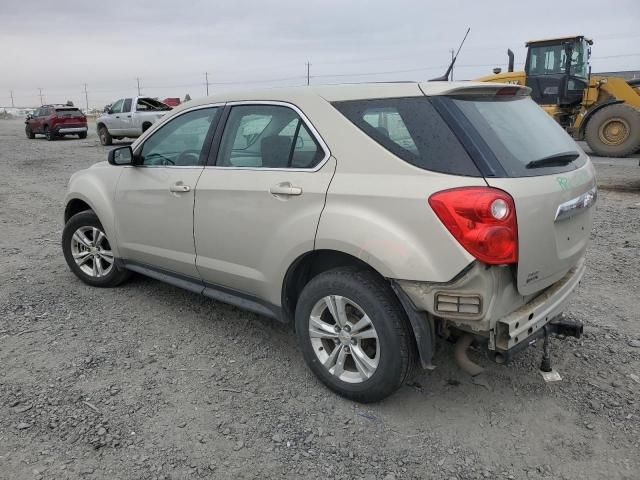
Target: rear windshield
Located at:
point(516, 131)
point(149, 104)
point(413, 130)
point(68, 112)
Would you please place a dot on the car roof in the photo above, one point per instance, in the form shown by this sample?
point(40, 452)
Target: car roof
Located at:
point(341, 92)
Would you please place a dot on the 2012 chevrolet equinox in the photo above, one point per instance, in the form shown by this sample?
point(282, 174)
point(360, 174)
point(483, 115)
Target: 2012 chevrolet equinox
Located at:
point(373, 217)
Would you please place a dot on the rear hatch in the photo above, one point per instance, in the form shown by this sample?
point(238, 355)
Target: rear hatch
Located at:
point(70, 115)
point(524, 152)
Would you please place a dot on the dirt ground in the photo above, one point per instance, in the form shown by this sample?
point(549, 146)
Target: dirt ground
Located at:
point(147, 381)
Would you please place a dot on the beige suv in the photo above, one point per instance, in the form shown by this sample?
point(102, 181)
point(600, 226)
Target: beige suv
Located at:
point(373, 218)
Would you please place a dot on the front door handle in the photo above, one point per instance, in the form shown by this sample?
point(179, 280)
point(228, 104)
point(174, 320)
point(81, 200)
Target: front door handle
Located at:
point(179, 188)
point(285, 189)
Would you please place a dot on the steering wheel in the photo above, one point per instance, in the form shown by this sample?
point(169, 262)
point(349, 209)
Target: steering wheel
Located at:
point(188, 157)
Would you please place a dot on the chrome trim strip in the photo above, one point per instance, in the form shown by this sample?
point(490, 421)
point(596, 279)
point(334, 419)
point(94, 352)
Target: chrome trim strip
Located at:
point(575, 205)
point(72, 130)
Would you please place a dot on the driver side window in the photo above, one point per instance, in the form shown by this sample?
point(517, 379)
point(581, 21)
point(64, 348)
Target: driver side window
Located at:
point(179, 142)
point(117, 106)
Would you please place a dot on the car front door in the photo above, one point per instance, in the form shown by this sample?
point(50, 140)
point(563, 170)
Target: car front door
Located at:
point(113, 120)
point(126, 118)
point(258, 207)
point(154, 199)
point(36, 121)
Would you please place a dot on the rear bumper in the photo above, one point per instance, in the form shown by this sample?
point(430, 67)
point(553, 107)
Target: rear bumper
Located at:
point(506, 321)
point(62, 130)
point(525, 324)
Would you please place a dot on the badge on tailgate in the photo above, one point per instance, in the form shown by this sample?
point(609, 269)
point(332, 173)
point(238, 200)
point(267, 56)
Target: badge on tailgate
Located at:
point(576, 205)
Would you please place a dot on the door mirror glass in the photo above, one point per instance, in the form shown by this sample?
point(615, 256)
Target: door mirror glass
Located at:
point(121, 156)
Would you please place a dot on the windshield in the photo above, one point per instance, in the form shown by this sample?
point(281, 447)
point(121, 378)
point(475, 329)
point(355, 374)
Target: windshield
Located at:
point(551, 59)
point(517, 132)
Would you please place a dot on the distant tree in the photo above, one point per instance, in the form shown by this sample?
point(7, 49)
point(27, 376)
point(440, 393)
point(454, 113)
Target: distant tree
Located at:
point(187, 97)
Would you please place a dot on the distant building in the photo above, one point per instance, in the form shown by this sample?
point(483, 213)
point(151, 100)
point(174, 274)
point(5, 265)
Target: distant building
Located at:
point(626, 74)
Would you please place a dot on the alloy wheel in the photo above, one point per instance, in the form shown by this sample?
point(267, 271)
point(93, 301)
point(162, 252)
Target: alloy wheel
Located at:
point(344, 339)
point(91, 251)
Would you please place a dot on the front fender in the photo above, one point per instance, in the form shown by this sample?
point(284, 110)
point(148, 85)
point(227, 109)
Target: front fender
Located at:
point(96, 186)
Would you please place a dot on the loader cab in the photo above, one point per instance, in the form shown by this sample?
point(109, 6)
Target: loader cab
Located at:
point(557, 70)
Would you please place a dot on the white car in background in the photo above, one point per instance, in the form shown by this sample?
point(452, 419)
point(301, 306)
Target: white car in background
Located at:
point(129, 118)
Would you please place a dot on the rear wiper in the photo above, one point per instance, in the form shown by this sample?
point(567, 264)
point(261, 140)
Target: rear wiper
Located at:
point(556, 159)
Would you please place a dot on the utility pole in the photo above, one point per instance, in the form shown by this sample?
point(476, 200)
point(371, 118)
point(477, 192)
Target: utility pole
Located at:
point(138, 80)
point(41, 102)
point(86, 97)
point(12, 105)
point(206, 79)
point(452, 54)
point(308, 67)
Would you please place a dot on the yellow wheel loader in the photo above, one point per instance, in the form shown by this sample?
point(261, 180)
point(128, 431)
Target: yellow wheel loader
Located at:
point(604, 111)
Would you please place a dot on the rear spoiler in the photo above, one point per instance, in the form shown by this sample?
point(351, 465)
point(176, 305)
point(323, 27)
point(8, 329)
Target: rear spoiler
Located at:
point(490, 90)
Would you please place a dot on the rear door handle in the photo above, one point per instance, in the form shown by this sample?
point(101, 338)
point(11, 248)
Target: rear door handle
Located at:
point(179, 188)
point(285, 189)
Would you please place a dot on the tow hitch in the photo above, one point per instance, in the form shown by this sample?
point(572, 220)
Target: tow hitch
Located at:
point(560, 326)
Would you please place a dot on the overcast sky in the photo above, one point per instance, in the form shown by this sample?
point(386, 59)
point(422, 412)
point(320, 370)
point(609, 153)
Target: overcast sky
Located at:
point(169, 45)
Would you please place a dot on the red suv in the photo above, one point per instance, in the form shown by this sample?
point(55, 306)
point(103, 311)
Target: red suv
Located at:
point(54, 121)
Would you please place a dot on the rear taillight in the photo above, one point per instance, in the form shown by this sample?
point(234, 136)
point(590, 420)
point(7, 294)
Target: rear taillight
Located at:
point(482, 219)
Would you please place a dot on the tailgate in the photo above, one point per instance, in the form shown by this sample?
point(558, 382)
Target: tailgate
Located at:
point(554, 214)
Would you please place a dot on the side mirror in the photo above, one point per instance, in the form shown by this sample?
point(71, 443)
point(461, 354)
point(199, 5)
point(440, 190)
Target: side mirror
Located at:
point(120, 156)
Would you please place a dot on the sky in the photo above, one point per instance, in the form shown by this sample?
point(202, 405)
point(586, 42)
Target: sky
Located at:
point(168, 46)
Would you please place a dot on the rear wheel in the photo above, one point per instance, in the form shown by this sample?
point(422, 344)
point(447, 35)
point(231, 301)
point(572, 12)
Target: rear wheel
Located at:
point(49, 134)
point(354, 334)
point(614, 131)
point(29, 132)
point(105, 136)
point(82, 135)
point(88, 252)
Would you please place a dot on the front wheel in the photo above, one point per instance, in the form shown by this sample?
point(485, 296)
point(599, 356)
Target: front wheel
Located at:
point(29, 132)
point(88, 252)
point(614, 131)
point(105, 136)
point(354, 335)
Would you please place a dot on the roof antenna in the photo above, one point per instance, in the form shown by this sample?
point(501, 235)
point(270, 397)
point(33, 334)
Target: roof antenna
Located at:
point(445, 77)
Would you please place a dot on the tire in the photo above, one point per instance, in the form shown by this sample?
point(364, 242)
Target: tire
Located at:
point(82, 135)
point(29, 132)
point(602, 130)
point(105, 136)
point(98, 268)
point(393, 349)
point(49, 134)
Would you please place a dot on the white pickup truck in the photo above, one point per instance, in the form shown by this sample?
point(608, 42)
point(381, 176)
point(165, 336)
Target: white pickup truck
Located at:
point(128, 118)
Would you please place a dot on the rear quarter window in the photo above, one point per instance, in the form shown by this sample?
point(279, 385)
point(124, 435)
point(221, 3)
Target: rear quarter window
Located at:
point(411, 129)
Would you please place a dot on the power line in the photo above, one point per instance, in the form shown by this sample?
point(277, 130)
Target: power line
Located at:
point(86, 96)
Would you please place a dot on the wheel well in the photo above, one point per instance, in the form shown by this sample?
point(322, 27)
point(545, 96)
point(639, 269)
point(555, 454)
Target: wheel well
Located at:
point(309, 266)
point(100, 125)
point(73, 207)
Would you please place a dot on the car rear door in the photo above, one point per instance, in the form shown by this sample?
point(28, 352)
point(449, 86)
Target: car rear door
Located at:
point(524, 152)
point(154, 200)
point(258, 207)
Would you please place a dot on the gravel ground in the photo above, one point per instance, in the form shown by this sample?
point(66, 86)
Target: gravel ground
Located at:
point(147, 381)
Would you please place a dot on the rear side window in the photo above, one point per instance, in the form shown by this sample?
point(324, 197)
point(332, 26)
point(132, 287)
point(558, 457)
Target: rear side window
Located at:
point(411, 128)
point(267, 136)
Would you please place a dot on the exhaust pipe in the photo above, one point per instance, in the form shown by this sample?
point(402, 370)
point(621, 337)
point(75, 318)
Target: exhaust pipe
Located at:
point(460, 353)
point(511, 58)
